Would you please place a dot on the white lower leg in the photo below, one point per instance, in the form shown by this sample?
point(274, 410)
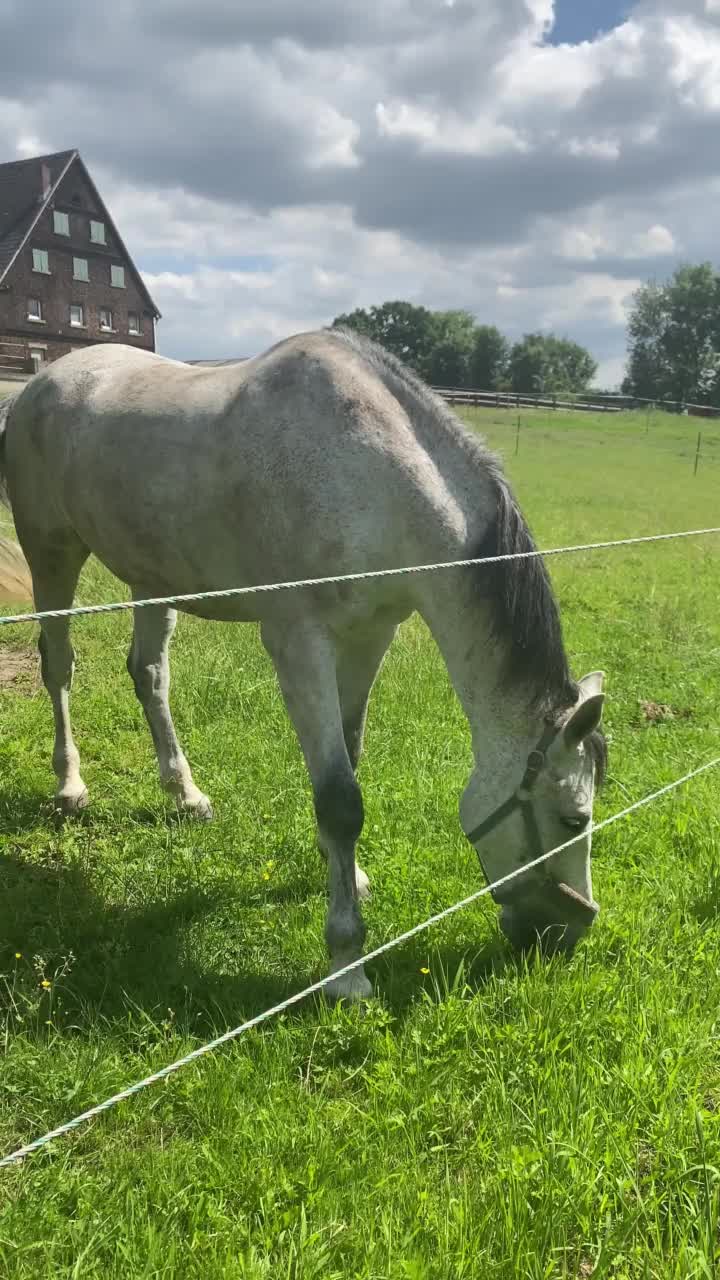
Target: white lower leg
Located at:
point(177, 780)
point(58, 664)
point(345, 930)
point(149, 667)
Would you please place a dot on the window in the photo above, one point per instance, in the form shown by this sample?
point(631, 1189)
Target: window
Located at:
point(77, 315)
point(37, 356)
point(35, 311)
point(41, 261)
point(106, 319)
point(80, 269)
point(117, 277)
point(134, 322)
point(97, 232)
point(61, 223)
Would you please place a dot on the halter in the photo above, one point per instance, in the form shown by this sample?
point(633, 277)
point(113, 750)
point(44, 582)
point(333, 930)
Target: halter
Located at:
point(522, 798)
point(570, 901)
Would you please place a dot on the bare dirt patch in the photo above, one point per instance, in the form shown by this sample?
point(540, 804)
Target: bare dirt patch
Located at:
point(659, 712)
point(19, 670)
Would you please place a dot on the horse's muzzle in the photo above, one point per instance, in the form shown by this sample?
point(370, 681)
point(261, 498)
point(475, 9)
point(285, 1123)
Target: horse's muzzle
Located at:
point(551, 915)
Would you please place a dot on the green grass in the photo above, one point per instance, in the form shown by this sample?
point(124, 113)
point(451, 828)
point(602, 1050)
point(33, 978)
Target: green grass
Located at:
point(485, 1117)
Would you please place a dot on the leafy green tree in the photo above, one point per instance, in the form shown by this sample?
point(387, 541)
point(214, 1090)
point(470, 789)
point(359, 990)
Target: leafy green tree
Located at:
point(674, 338)
point(448, 349)
point(402, 328)
point(549, 365)
point(489, 359)
point(452, 344)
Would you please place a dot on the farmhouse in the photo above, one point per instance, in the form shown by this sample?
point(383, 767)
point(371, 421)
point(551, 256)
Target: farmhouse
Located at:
point(66, 278)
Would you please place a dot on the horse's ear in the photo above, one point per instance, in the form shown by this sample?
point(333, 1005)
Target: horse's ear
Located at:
point(591, 684)
point(586, 717)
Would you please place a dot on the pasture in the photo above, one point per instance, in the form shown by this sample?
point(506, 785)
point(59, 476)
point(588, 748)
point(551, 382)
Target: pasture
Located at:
point(486, 1117)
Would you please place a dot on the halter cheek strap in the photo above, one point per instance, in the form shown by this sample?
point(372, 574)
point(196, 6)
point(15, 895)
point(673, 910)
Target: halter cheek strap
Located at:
point(522, 798)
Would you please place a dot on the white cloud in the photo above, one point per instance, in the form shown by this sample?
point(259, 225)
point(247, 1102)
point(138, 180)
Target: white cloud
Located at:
point(271, 164)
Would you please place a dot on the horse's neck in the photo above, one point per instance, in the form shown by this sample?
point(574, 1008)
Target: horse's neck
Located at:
point(501, 725)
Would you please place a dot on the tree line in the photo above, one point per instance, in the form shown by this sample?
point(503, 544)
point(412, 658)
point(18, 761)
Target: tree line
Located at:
point(450, 349)
point(673, 343)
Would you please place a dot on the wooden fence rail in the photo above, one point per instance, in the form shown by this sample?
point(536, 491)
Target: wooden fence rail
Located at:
point(588, 404)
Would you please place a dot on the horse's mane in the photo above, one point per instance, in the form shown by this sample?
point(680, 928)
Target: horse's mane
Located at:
point(524, 610)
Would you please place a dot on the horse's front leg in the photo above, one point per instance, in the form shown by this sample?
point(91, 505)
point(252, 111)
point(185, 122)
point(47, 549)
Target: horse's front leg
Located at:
point(148, 664)
point(55, 571)
point(305, 660)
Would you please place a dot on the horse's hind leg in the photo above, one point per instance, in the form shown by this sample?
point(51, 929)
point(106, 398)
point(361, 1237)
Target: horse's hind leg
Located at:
point(149, 665)
point(55, 573)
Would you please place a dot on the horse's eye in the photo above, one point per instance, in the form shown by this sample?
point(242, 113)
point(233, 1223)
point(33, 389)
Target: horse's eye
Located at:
point(578, 822)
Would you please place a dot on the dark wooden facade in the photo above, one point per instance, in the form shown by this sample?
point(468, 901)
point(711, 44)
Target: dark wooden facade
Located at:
point(66, 278)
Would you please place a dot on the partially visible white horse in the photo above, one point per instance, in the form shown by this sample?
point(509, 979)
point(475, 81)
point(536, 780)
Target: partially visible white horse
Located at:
point(323, 456)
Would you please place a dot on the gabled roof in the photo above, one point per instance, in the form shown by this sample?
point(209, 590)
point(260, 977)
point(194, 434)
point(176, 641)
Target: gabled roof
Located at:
point(23, 202)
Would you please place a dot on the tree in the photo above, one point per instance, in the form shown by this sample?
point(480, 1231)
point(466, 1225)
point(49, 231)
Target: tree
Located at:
point(451, 350)
point(674, 338)
point(549, 365)
point(448, 349)
point(648, 373)
point(402, 328)
point(489, 359)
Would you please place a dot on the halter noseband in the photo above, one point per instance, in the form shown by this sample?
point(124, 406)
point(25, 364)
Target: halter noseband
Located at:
point(522, 798)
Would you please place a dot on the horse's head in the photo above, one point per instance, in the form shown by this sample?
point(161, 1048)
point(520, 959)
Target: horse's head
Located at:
point(548, 803)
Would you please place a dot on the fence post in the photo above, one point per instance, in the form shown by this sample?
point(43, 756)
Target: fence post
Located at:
point(697, 452)
point(517, 437)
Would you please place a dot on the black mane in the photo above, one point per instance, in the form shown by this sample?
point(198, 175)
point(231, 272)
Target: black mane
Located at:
point(524, 610)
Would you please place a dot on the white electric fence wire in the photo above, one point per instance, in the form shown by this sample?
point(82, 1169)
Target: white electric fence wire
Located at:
point(315, 987)
point(190, 597)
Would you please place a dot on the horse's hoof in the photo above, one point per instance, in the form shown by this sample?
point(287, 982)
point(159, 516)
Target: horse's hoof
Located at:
point(70, 803)
point(351, 988)
point(199, 810)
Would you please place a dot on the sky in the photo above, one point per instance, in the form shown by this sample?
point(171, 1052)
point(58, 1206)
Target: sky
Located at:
point(271, 164)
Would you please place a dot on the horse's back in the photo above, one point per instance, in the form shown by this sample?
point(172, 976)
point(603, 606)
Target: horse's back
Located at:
point(298, 463)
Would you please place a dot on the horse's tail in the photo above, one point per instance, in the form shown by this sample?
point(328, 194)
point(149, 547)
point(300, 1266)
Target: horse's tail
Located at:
point(15, 579)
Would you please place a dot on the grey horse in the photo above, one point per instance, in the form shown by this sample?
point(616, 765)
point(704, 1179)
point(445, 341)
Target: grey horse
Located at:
point(323, 456)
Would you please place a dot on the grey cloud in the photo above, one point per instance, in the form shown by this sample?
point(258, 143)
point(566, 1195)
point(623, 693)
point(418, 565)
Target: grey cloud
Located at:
point(212, 105)
point(264, 104)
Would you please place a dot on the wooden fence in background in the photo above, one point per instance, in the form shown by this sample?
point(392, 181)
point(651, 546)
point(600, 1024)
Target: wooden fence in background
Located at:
point(598, 403)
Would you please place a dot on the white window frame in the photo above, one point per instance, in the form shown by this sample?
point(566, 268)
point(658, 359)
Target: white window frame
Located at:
point(77, 324)
point(43, 271)
point(117, 266)
point(86, 278)
point(57, 213)
point(39, 318)
point(135, 329)
point(106, 328)
point(101, 237)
